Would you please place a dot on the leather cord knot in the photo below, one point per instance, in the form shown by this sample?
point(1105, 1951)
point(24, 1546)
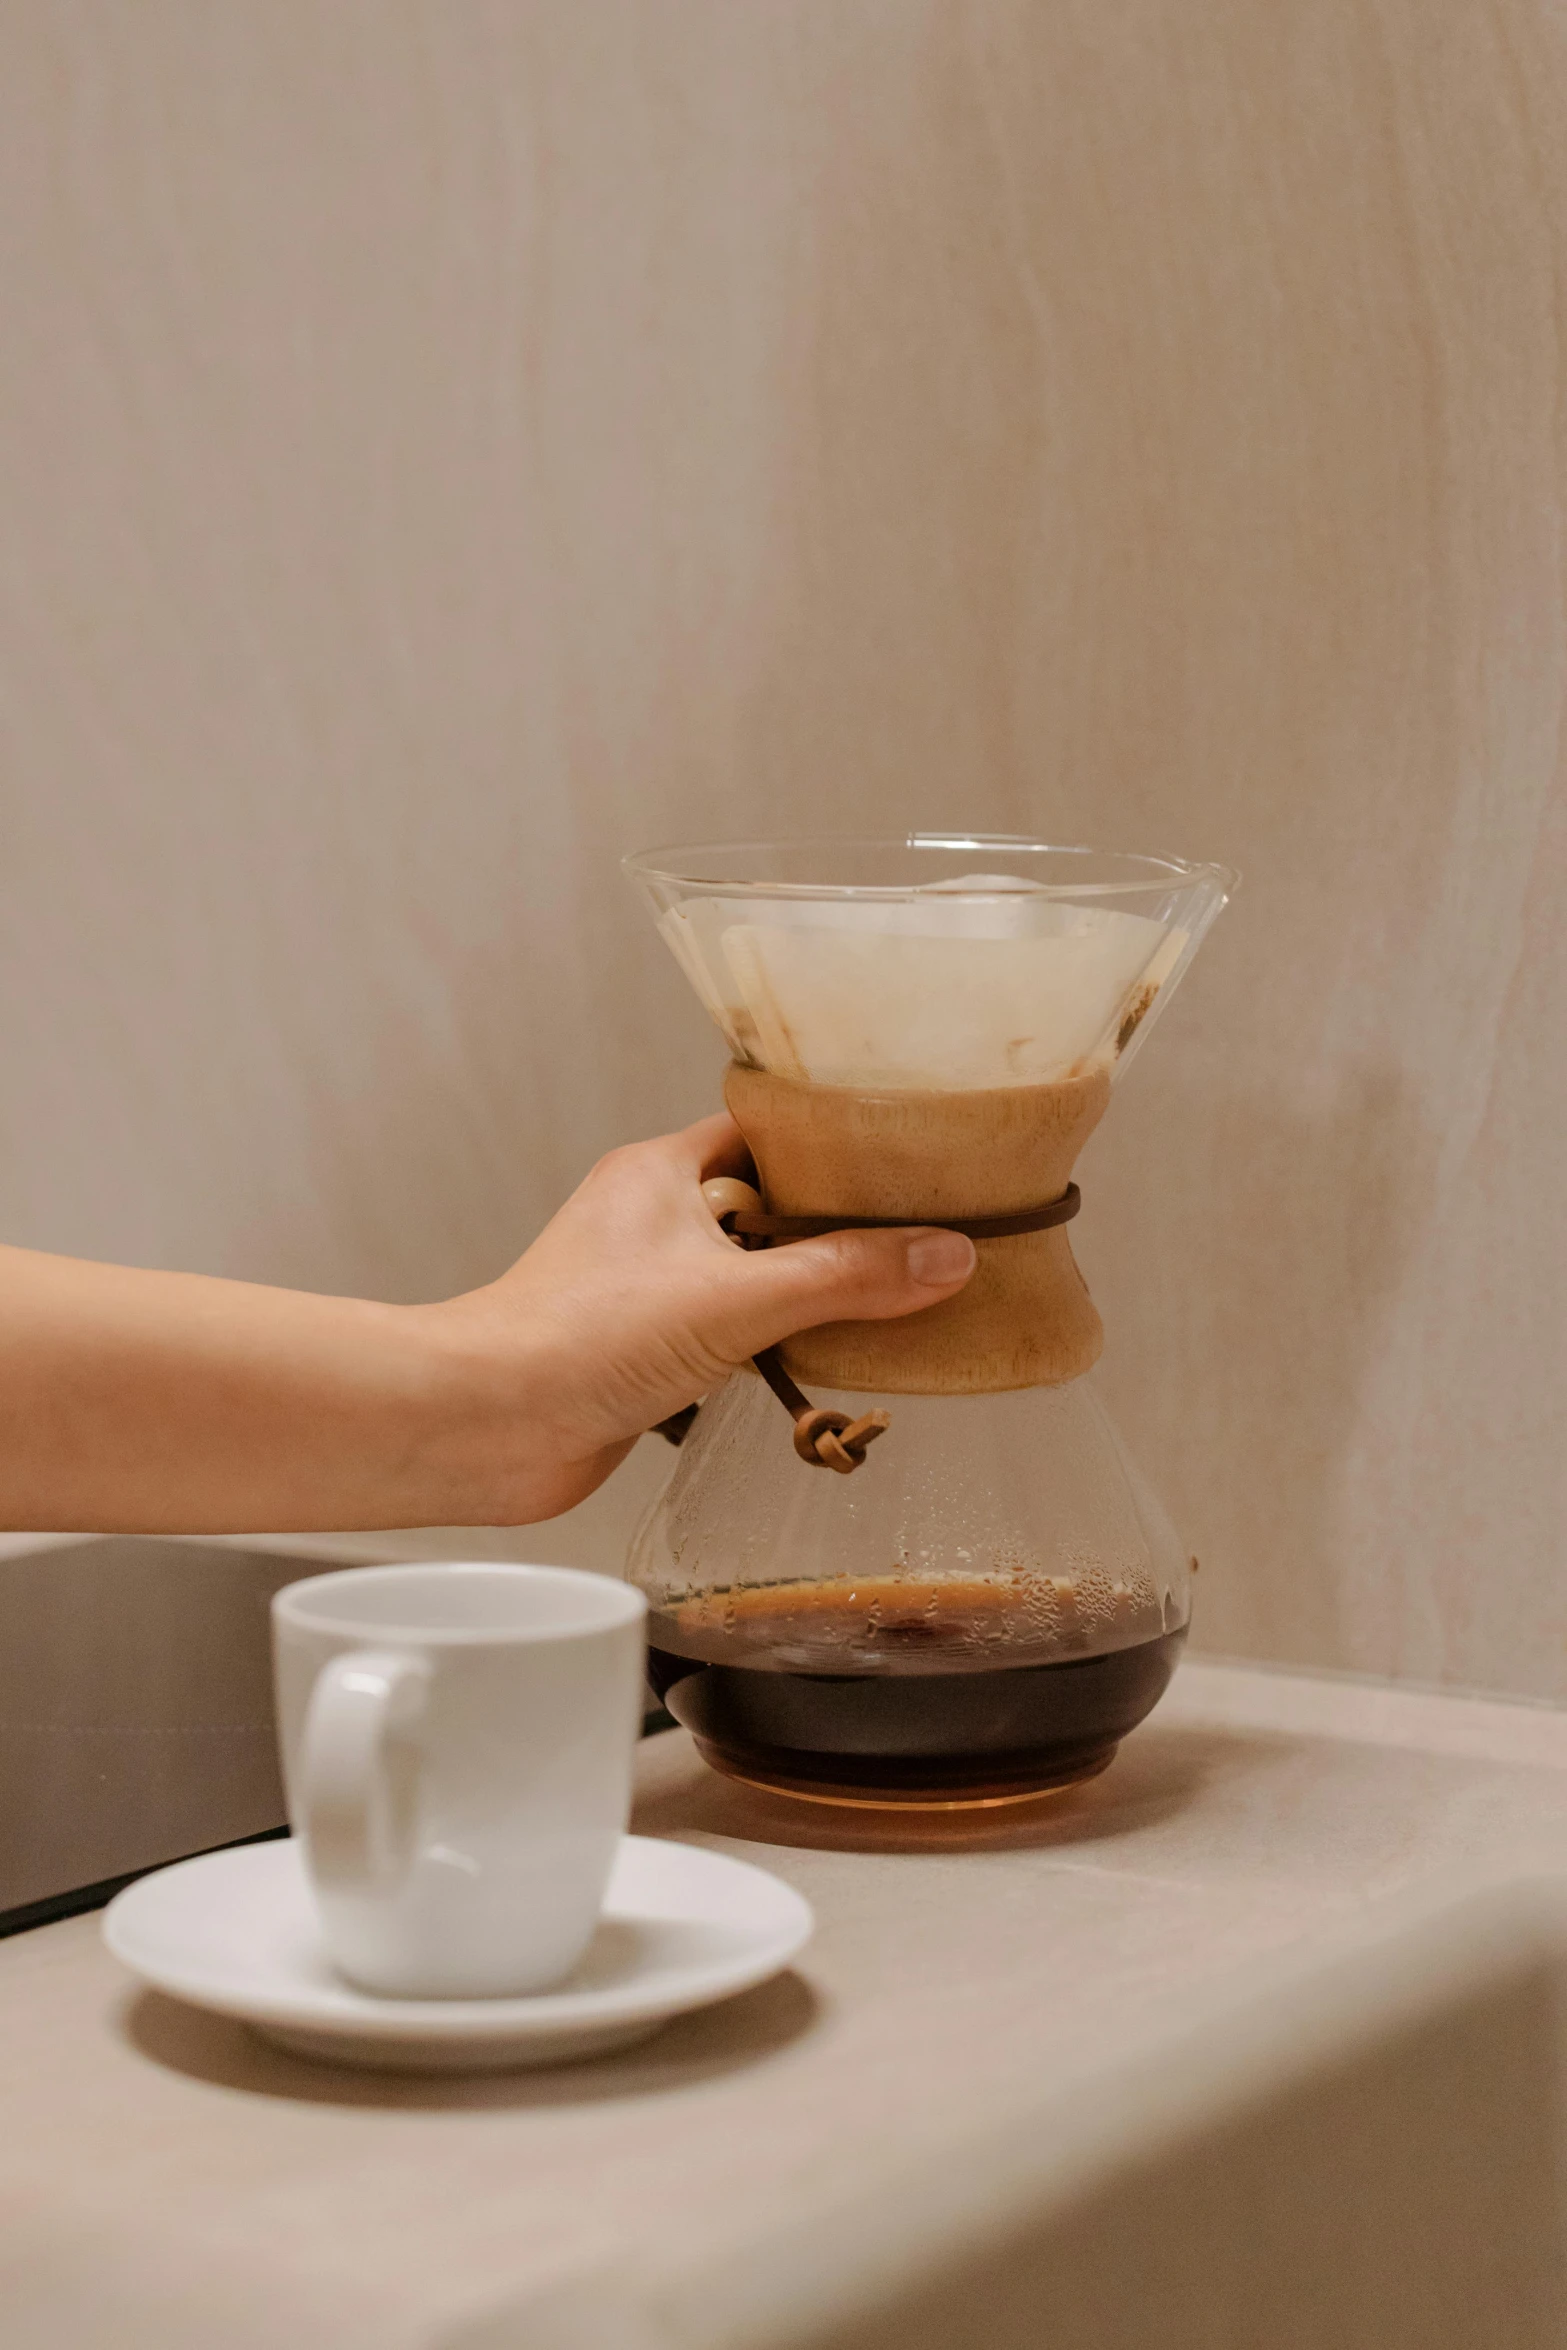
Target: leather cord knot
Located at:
point(823, 1438)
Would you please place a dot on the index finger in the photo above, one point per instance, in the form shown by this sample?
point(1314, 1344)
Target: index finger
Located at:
point(715, 1146)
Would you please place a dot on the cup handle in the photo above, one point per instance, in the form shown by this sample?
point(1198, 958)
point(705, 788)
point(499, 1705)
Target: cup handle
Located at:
point(358, 1771)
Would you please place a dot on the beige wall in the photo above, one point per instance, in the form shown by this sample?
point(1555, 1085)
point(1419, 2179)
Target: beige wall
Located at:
point(444, 445)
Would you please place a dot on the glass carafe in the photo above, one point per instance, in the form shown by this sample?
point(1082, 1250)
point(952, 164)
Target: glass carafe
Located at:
point(922, 1030)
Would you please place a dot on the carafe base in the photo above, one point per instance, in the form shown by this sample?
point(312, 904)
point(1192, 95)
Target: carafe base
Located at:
point(989, 1797)
point(939, 1740)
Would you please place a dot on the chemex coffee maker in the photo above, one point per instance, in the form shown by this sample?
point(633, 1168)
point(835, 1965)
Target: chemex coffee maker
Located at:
point(912, 1563)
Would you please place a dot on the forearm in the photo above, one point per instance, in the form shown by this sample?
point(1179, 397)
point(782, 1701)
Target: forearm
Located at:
point(168, 1402)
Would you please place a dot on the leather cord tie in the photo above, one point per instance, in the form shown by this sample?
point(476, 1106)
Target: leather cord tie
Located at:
point(823, 1438)
point(756, 1224)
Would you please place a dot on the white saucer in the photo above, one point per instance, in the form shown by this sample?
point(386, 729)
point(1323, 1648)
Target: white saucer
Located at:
point(236, 1932)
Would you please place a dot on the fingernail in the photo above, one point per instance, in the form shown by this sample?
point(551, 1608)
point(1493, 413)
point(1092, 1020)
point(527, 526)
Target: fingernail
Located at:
point(940, 1257)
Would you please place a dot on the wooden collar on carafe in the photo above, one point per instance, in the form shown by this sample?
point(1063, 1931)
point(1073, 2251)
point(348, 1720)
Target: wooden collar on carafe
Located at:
point(825, 1438)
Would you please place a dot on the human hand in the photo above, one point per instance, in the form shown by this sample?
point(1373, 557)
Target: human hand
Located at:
point(632, 1303)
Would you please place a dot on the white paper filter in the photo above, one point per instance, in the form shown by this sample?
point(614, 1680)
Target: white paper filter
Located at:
point(939, 990)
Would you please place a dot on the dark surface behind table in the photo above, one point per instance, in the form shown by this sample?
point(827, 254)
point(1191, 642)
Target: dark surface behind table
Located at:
point(136, 1719)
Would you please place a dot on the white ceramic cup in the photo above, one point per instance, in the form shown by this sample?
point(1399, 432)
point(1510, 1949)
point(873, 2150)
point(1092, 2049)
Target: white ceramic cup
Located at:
point(457, 1746)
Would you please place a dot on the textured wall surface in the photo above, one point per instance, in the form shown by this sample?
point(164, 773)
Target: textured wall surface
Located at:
point(442, 447)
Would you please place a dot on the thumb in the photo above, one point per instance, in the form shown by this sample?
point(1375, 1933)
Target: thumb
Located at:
point(841, 1277)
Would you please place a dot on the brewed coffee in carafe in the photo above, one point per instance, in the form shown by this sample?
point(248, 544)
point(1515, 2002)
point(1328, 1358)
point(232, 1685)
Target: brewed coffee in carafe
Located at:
point(979, 1599)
